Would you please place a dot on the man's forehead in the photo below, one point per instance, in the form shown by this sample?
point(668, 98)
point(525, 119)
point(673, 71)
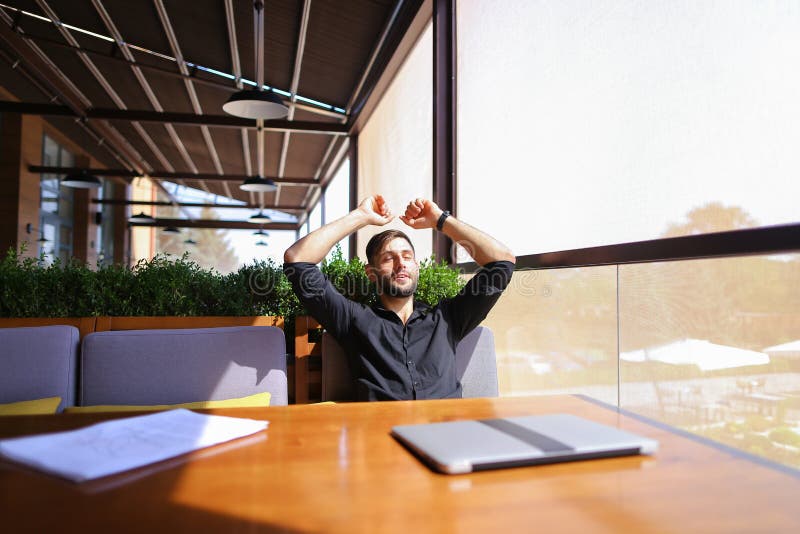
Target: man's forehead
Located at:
point(398, 244)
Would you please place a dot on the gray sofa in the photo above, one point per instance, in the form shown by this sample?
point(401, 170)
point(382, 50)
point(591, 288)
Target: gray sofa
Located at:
point(39, 362)
point(148, 367)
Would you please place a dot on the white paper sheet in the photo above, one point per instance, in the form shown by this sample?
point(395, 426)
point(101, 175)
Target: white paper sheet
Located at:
point(114, 446)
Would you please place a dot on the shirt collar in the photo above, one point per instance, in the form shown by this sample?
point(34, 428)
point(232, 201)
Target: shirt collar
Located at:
point(420, 310)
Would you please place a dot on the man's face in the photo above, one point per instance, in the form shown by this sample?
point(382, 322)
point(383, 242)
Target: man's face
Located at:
point(395, 269)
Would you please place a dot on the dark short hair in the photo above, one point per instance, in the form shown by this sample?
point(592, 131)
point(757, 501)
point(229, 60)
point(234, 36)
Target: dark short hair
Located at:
point(377, 242)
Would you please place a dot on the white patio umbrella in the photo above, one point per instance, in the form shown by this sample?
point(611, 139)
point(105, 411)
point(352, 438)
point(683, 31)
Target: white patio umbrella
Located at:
point(704, 354)
point(785, 350)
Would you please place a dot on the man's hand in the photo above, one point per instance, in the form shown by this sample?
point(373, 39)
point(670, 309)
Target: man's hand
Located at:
point(313, 247)
point(375, 210)
point(421, 213)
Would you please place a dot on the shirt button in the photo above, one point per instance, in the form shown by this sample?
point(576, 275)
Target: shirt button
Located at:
point(410, 363)
point(416, 384)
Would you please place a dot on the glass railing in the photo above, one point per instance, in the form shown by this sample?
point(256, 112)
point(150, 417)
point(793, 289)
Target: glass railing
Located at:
point(711, 346)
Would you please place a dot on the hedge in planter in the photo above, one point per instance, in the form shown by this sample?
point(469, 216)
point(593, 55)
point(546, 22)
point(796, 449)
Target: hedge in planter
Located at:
point(176, 286)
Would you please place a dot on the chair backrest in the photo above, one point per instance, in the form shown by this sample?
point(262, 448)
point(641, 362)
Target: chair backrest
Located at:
point(148, 367)
point(337, 382)
point(38, 362)
point(476, 367)
point(476, 364)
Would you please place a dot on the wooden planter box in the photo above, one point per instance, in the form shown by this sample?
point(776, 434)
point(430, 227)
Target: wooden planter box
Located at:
point(307, 347)
point(105, 324)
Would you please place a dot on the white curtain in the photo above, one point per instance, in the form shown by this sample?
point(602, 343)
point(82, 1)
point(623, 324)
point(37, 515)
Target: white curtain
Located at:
point(584, 123)
point(395, 148)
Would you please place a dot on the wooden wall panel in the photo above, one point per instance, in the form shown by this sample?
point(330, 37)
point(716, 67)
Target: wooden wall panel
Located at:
point(10, 126)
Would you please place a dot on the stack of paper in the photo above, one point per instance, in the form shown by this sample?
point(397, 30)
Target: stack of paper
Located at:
point(114, 446)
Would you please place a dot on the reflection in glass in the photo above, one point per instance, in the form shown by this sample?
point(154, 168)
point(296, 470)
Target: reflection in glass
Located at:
point(713, 347)
point(555, 332)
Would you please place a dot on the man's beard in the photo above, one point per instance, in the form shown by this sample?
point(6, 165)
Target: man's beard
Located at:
point(386, 286)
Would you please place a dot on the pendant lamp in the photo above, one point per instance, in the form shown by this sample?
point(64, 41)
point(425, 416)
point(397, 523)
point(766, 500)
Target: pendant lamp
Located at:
point(260, 217)
point(141, 217)
point(81, 180)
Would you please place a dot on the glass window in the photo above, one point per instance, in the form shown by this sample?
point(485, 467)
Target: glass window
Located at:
point(555, 332)
point(337, 200)
point(315, 217)
point(591, 123)
point(395, 148)
point(105, 230)
point(713, 347)
point(709, 346)
point(222, 249)
point(56, 204)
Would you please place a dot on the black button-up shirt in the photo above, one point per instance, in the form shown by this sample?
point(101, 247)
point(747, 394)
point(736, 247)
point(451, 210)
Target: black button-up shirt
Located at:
point(395, 361)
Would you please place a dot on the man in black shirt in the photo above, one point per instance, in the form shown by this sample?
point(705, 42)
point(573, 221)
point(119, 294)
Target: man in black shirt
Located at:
point(399, 349)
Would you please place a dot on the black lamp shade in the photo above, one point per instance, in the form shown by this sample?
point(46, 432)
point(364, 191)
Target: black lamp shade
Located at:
point(261, 244)
point(260, 217)
point(81, 180)
point(171, 230)
point(255, 104)
point(261, 233)
point(141, 217)
point(257, 184)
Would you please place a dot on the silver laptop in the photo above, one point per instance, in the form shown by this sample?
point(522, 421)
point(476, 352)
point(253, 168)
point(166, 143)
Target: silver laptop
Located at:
point(458, 447)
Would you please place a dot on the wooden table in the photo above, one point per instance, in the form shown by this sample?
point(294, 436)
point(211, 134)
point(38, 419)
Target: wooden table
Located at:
point(334, 468)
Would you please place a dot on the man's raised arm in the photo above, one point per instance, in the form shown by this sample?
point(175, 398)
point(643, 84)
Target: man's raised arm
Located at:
point(315, 246)
point(483, 248)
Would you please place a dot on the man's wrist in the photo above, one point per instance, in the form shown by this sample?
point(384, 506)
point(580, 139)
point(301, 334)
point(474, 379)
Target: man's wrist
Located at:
point(442, 218)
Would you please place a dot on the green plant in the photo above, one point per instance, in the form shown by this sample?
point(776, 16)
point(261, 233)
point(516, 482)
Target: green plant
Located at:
point(349, 277)
point(437, 281)
point(169, 285)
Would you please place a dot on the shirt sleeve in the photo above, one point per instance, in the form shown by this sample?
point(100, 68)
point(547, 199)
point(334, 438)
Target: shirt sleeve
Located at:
point(474, 302)
point(322, 300)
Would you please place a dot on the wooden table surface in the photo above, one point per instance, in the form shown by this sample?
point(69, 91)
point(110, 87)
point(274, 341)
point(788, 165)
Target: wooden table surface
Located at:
point(334, 468)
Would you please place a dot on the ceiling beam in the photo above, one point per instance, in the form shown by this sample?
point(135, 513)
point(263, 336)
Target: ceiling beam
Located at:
point(225, 121)
point(298, 63)
point(120, 202)
point(216, 223)
point(49, 75)
point(193, 75)
point(164, 175)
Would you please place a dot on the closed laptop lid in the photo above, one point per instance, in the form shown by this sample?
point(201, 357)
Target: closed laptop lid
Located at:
point(464, 446)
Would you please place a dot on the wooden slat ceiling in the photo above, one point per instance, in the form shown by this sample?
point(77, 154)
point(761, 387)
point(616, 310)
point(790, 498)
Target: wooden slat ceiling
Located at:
point(339, 39)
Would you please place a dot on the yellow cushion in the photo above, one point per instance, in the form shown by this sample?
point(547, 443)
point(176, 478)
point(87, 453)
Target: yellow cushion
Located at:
point(259, 400)
point(31, 407)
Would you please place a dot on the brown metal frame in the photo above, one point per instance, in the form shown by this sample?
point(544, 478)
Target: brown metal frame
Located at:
point(117, 202)
point(215, 223)
point(166, 175)
point(751, 241)
point(444, 118)
point(219, 121)
point(353, 155)
point(66, 92)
